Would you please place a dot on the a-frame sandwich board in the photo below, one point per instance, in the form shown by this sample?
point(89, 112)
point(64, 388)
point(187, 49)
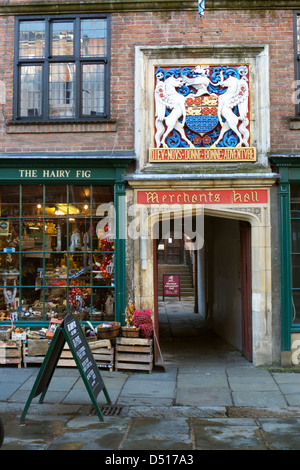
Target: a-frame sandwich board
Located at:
point(69, 331)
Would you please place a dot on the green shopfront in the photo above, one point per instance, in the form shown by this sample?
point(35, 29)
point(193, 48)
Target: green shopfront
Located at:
point(289, 213)
point(61, 243)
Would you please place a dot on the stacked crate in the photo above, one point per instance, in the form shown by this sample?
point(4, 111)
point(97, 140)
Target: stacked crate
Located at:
point(102, 350)
point(134, 354)
point(11, 352)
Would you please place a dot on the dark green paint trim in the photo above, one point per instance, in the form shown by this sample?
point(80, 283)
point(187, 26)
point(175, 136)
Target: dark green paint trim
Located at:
point(120, 245)
point(68, 170)
point(289, 169)
point(285, 266)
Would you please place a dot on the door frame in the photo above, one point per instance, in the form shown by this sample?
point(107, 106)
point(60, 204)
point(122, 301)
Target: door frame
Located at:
point(246, 289)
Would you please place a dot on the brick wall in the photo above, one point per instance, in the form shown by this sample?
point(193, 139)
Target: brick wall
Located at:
point(158, 28)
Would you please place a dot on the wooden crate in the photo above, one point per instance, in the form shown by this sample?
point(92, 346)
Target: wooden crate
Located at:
point(102, 350)
point(34, 351)
point(134, 354)
point(32, 359)
point(104, 353)
point(11, 352)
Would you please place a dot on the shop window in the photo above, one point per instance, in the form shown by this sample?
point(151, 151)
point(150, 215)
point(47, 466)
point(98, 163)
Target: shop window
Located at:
point(56, 252)
point(295, 252)
point(62, 68)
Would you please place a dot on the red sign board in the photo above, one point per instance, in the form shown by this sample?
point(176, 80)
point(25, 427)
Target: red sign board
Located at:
point(225, 196)
point(171, 285)
point(202, 155)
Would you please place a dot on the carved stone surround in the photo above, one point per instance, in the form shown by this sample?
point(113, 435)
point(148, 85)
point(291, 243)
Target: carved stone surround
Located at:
point(257, 56)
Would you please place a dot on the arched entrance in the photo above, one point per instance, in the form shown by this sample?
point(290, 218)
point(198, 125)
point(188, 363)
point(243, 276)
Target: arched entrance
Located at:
point(215, 283)
point(228, 245)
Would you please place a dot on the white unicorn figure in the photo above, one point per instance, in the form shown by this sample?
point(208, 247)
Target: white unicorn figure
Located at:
point(166, 96)
point(236, 95)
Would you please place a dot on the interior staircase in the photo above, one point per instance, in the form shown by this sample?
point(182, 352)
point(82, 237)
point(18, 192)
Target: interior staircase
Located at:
point(186, 282)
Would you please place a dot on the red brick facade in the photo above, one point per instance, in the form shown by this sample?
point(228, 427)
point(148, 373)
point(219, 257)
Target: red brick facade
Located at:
point(129, 29)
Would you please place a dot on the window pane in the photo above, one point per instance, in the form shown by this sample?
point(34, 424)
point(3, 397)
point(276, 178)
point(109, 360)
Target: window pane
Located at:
point(32, 201)
point(62, 38)
point(295, 248)
point(31, 90)
point(79, 299)
point(296, 271)
point(32, 305)
point(55, 234)
point(296, 306)
point(9, 201)
point(103, 304)
point(9, 269)
point(79, 199)
point(32, 271)
point(104, 229)
point(9, 235)
point(298, 33)
point(62, 90)
point(32, 235)
point(103, 197)
point(93, 89)
point(32, 39)
point(80, 239)
point(93, 37)
point(295, 242)
point(295, 201)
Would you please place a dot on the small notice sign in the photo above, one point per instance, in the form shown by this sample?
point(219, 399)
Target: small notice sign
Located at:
point(171, 286)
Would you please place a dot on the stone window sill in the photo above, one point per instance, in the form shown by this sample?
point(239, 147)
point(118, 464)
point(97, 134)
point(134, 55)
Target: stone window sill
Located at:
point(13, 127)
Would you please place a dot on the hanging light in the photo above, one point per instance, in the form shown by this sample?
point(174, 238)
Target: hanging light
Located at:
point(62, 209)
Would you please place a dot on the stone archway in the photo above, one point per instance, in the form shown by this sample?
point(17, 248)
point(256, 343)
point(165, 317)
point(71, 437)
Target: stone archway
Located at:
point(259, 219)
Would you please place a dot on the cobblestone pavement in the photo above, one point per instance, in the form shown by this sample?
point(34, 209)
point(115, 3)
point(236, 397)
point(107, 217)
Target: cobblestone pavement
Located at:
point(206, 397)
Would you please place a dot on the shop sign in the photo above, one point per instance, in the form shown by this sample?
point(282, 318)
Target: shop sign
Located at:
point(224, 196)
point(54, 173)
point(202, 114)
point(171, 285)
point(31, 174)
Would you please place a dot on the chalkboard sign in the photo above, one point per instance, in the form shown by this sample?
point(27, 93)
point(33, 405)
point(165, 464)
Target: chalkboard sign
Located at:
point(171, 285)
point(69, 331)
point(83, 354)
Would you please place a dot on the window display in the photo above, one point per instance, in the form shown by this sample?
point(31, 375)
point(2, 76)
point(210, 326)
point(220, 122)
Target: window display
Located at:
point(56, 252)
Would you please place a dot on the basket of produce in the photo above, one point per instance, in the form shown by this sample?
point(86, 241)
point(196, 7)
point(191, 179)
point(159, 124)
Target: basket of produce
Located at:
point(108, 330)
point(130, 331)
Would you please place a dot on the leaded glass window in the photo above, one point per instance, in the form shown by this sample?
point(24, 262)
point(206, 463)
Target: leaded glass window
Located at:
point(57, 252)
point(62, 68)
